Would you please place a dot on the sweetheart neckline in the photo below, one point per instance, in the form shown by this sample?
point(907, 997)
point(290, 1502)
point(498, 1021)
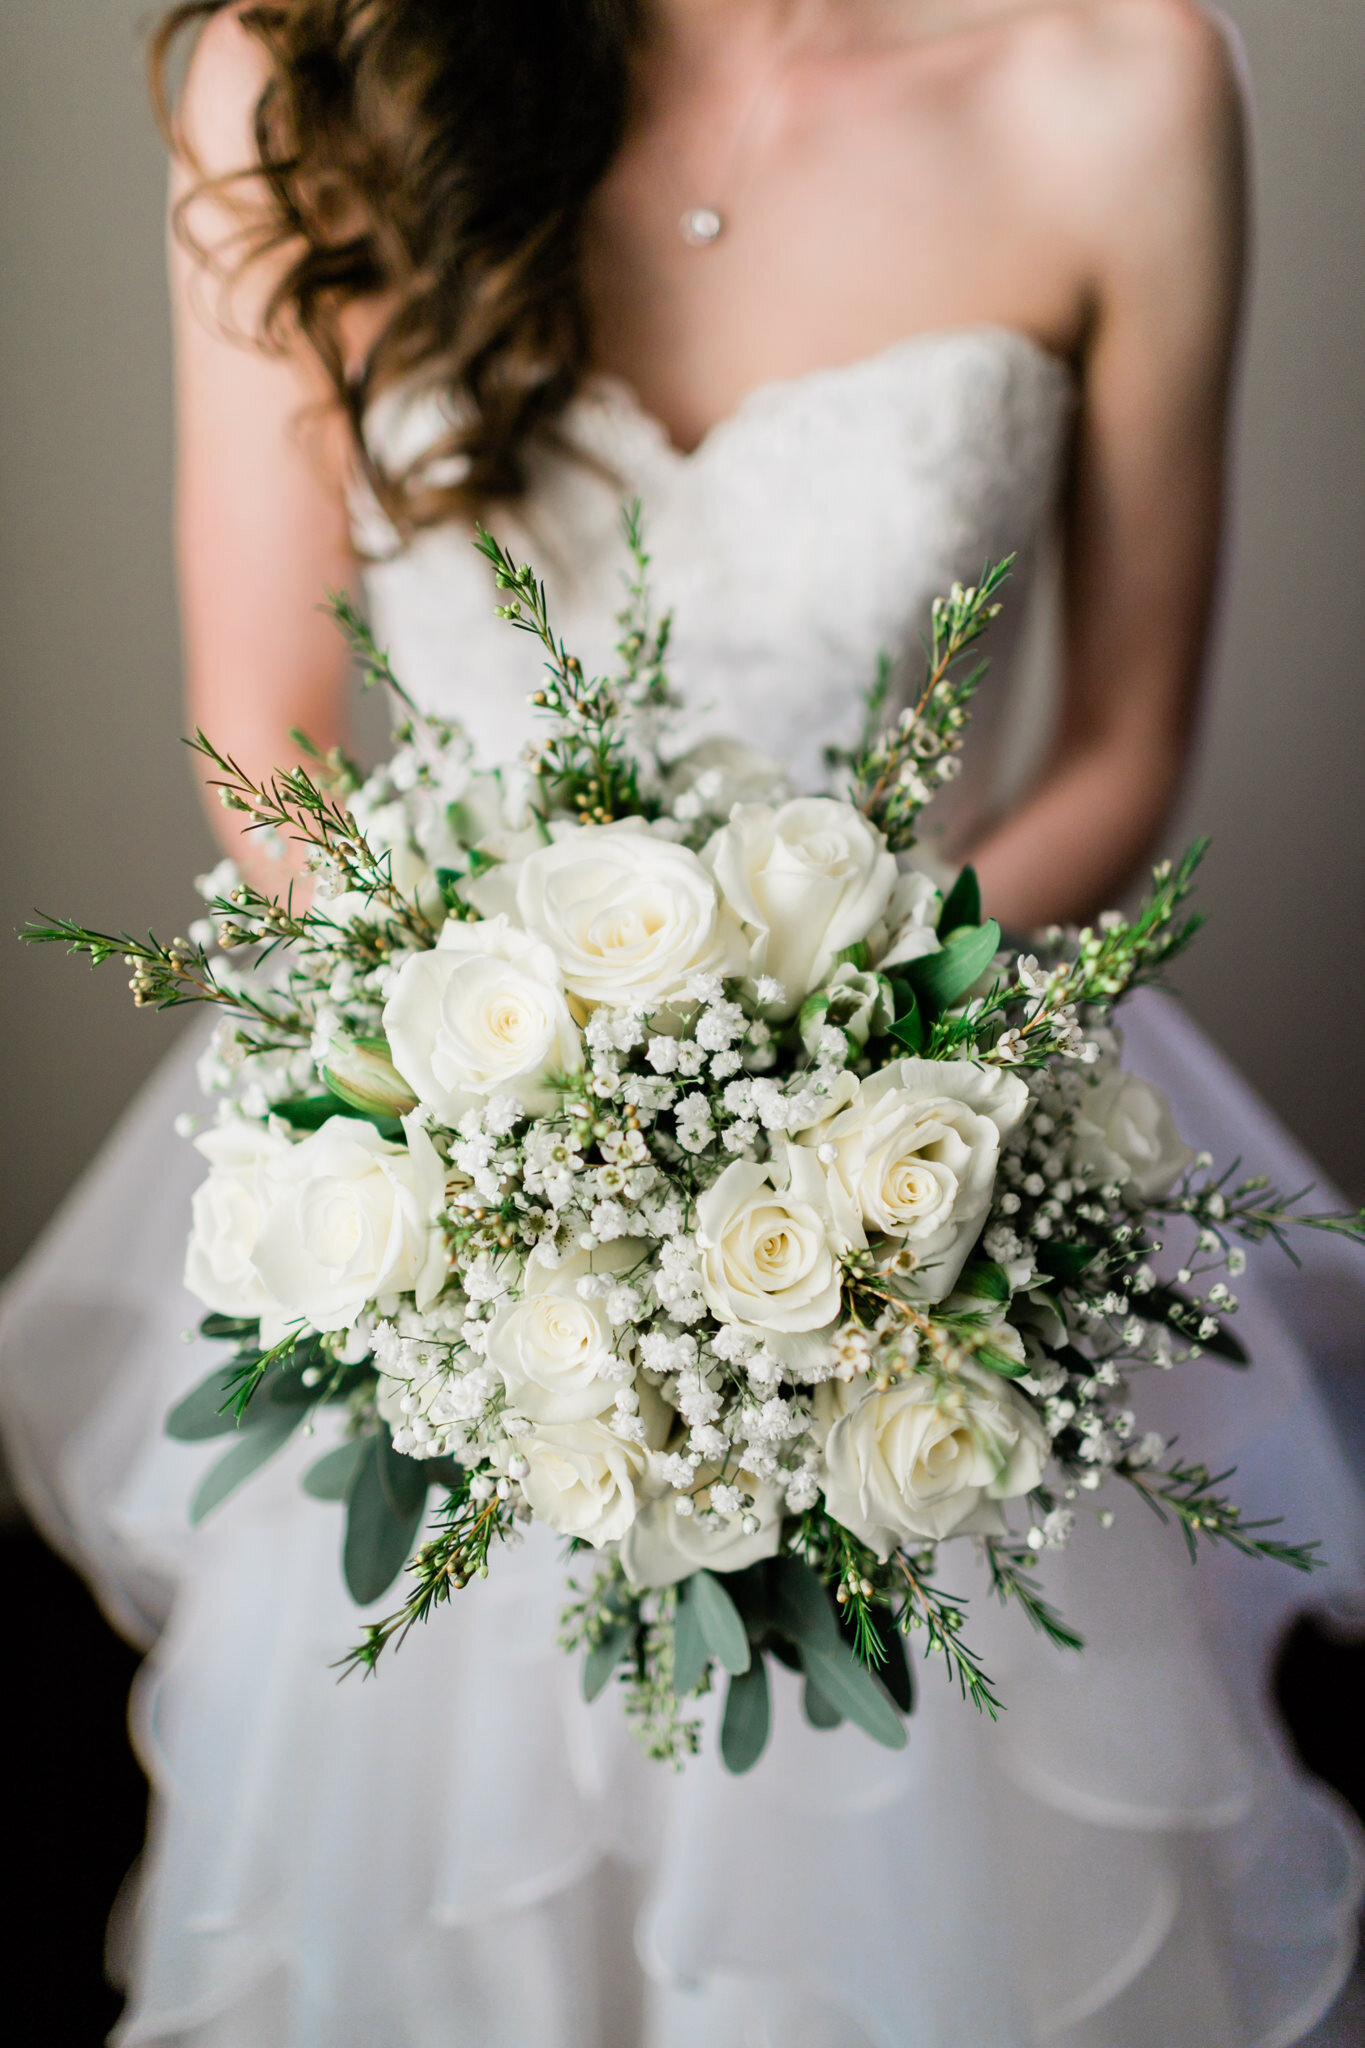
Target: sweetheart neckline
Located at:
point(611, 392)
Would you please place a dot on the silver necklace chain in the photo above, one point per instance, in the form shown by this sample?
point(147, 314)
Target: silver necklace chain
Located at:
point(701, 226)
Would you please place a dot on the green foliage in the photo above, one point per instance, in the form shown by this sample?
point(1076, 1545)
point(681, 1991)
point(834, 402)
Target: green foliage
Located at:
point(961, 906)
point(720, 1623)
point(256, 1441)
point(331, 1477)
point(1188, 1495)
point(943, 978)
point(748, 1717)
point(384, 1507)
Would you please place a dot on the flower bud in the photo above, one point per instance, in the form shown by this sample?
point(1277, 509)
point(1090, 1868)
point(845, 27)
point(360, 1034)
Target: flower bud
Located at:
point(362, 1073)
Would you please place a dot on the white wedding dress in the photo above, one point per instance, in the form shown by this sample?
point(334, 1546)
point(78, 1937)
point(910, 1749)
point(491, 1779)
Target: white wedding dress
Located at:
point(459, 1853)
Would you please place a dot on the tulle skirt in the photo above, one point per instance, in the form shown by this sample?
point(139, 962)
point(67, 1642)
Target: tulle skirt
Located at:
point(459, 1853)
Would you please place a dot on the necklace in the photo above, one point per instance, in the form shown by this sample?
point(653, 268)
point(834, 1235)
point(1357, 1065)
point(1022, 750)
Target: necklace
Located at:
point(701, 226)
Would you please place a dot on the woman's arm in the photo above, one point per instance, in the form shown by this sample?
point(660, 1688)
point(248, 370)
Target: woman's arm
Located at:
point(1165, 220)
point(261, 516)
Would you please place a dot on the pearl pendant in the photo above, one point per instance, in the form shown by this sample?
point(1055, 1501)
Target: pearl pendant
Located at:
point(700, 226)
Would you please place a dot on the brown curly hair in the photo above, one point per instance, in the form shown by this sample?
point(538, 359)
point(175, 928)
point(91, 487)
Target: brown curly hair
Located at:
point(433, 157)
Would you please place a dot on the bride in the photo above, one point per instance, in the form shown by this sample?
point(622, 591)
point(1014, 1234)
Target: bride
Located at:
point(852, 294)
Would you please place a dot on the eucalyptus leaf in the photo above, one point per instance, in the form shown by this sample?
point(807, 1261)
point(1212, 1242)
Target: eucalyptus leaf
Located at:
point(691, 1654)
point(819, 1711)
point(331, 1477)
point(962, 905)
point(1065, 1262)
point(199, 1416)
point(217, 1326)
point(748, 1717)
point(941, 978)
point(256, 1441)
point(403, 1479)
point(802, 1608)
point(378, 1541)
point(720, 1622)
point(857, 1692)
point(603, 1658)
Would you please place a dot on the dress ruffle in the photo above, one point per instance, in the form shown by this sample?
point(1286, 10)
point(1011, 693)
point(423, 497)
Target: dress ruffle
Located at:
point(455, 1851)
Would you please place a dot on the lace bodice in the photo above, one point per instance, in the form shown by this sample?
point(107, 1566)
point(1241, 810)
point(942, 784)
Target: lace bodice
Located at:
point(807, 533)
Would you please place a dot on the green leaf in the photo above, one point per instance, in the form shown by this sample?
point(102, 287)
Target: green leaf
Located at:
point(984, 1280)
point(603, 1658)
point(720, 1623)
point(909, 1025)
point(691, 1656)
point(403, 1479)
point(999, 1362)
point(235, 1327)
point(256, 1441)
point(802, 1608)
point(311, 1112)
point(818, 1710)
point(858, 1693)
point(941, 978)
point(962, 906)
point(448, 881)
point(378, 1541)
point(199, 1416)
point(1064, 1262)
point(853, 956)
point(748, 1717)
point(331, 1477)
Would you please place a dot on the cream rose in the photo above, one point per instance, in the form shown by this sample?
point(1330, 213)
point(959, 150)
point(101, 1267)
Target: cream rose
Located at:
point(226, 1213)
point(913, 1153)
point(1123, 1133)
point(481, 1014)
point(350, 1219)
point(717, 774)
point(581, 1479)
point(661, 1546)
point(806, 880)
point(768, 1260)
point(551, 1346)
point(628, 915)
point(929, 1459)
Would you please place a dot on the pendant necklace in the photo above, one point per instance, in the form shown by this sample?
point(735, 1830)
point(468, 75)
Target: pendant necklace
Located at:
point(701, 227)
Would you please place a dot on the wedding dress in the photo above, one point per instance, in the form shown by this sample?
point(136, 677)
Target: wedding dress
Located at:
point(460, 1853)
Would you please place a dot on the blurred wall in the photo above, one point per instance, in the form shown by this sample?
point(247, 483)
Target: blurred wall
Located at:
point(96, 812)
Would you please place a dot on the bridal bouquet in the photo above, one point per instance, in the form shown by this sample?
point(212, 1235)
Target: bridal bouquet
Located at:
point(623, 1142)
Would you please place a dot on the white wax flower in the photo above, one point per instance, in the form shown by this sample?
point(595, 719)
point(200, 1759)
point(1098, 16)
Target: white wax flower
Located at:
point(551, 1345)
point(628, 915)
point(768, 1260)
point(928, 1458)
point(227, 1212)
point(350, 1218)
point(1123, 1133)
point(911, 1152)
point(661, 1546)
point(806, 880)
point(481, 1014)
point(582, 1478)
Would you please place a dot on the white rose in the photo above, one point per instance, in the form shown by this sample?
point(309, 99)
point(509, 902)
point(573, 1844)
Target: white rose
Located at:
point(1123, 1133)
point(628, 915)
point(581, 1479)
point(913, 1155)
point(722, 773)
point(662, 1546)
point(482, 1014)
point(911, 919)
point(768, 1262)
point(550, 1345)
point(351, 1218)
point(227, 1211)
point(928, 1458)
point(807, 881)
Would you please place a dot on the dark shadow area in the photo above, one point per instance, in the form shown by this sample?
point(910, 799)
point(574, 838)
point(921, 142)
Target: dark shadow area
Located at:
point(75, 1800)
point(1320, 1686)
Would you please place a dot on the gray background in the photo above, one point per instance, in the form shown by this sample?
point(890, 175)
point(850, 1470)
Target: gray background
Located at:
point(97, 817)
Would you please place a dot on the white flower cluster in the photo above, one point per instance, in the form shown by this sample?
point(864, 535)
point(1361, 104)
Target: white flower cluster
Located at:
point(644, 1216)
